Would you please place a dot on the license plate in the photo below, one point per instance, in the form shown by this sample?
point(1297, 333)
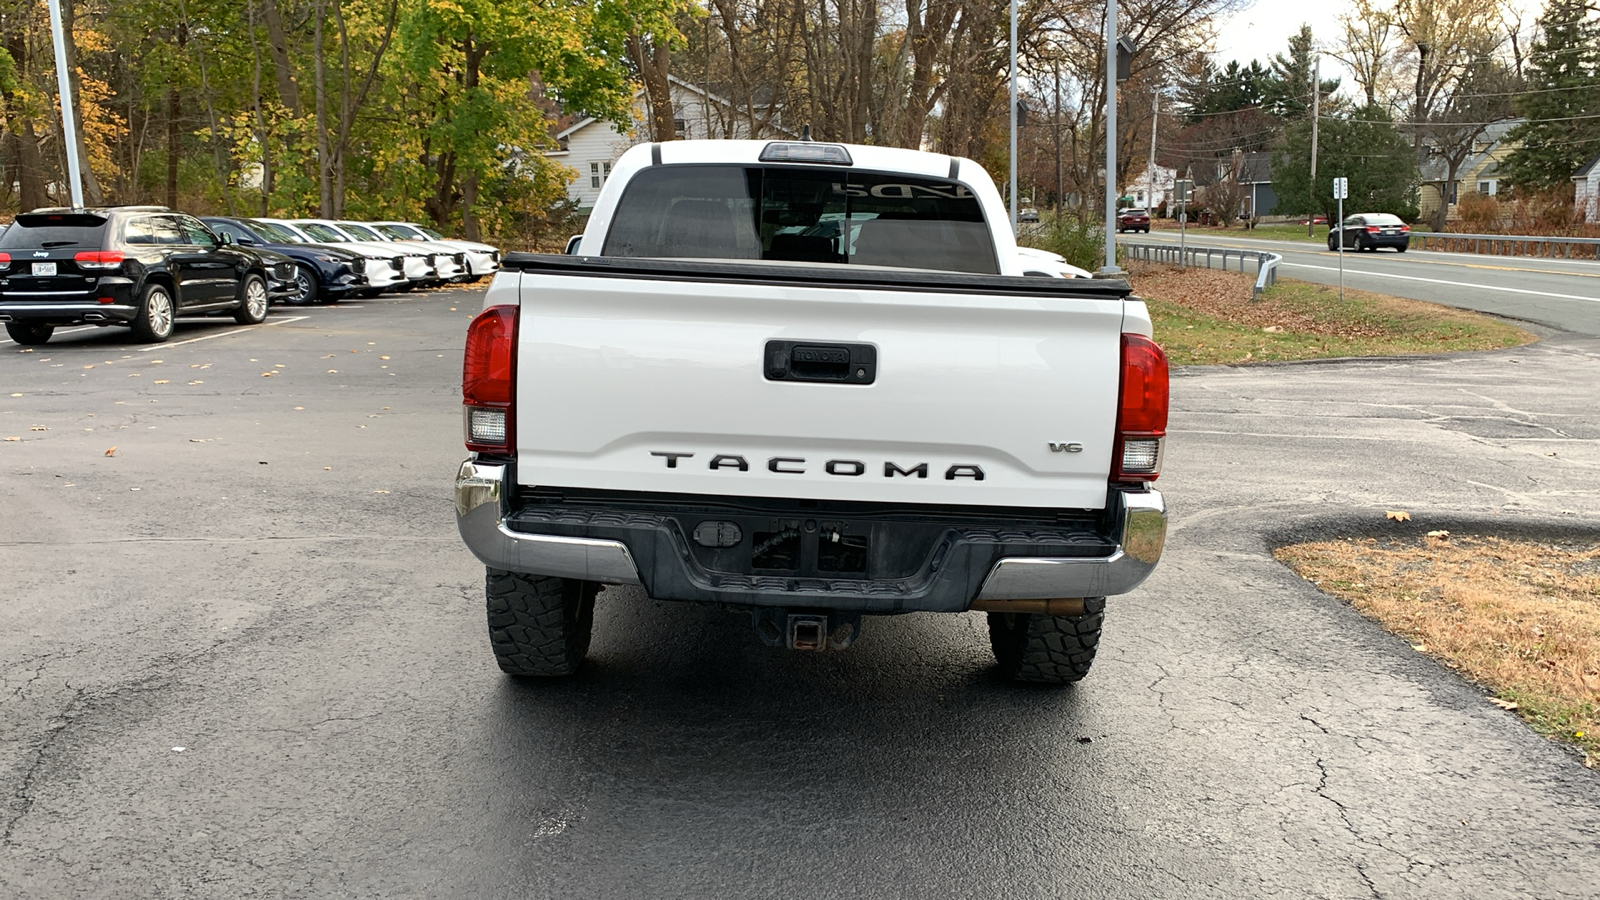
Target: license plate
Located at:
point(44, 268)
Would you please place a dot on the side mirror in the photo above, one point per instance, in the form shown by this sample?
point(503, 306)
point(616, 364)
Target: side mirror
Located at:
point(572, 245)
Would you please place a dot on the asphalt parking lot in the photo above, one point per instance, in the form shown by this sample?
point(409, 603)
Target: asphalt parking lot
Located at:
point(244, 655)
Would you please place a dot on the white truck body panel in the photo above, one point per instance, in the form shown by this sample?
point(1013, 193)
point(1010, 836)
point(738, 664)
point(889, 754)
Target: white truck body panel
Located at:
point(613, 370)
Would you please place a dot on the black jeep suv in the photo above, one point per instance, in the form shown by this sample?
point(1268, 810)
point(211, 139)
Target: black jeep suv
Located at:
point(140, 266)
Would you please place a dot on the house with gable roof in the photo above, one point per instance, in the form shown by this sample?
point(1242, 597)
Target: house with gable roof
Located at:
point(1480, 172)
point(591, 146)
point(1586, 197)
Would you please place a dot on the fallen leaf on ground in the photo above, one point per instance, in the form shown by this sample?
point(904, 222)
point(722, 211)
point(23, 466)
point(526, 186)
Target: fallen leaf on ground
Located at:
point(38, 428)
point(268, 374)
point(112, 452)
point(10, 438)
point(1399, 515)
point(1273, 329)
point(162, 381)
point(333, 371)
point(1439, 534)
point(299, 407)
point(383, 357)
point(16, 395)
point(380, 492)
point(1504, 704)
point(197, 382)
point(201, 440)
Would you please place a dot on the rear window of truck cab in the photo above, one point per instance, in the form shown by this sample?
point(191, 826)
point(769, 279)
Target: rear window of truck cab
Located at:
point(793, 214)
point(48, 230)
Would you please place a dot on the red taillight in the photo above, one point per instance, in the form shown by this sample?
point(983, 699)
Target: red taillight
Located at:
point(1142, 402)
point(1373, 229)
point(488, 372)
point(1405, 229)
point(5, 261)
point(99, 259)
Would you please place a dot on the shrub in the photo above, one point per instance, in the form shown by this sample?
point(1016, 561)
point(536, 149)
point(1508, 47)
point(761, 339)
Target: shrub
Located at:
point(1078, 241)
point(1480, 213)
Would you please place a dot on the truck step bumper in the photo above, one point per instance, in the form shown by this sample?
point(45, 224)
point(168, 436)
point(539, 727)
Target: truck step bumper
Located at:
point(479, 517)
point(978, 565)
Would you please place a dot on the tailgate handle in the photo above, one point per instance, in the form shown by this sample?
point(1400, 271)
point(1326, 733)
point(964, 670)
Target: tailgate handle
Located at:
point(810, 361)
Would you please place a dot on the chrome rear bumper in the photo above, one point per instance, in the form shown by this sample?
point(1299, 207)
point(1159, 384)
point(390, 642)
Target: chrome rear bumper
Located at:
point(480, 517)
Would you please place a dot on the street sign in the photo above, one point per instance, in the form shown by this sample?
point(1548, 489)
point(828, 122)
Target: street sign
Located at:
point(1183, 190)
point(1341, 188)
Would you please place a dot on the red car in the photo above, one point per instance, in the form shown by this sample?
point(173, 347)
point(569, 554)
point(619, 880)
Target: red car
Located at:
point(1133, 220)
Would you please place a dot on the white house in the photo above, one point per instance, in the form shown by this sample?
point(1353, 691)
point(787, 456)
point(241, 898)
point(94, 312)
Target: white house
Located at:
point(1139, 187)
point(1586, 197)
point(591, 146)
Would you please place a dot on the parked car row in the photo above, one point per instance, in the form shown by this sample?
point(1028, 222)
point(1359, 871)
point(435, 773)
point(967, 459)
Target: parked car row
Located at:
point(143, 266)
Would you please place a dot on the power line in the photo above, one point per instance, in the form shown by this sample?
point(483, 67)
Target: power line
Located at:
point(1460, 124)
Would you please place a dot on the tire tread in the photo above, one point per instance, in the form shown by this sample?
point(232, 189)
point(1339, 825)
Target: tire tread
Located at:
point(1047, 649)
point(539, 625)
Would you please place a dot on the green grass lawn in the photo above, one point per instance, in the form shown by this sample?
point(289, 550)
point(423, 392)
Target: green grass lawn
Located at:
point(1205, 317)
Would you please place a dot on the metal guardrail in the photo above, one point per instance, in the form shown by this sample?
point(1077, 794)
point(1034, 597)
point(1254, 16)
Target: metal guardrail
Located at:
point(1266, 263)
point(1508, 244)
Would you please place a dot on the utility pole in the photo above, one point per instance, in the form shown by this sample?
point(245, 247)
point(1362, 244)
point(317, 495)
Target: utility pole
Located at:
point(1110, 269)
point(1056, 128)
point(1150, 197)
point(1316, 119)
point(69, 120)
point(1013, 116)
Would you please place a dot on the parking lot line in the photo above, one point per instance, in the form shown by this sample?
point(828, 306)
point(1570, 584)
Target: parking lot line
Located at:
point(230, 331)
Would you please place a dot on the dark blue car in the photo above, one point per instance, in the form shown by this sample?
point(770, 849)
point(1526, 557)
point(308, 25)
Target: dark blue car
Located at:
point(322, 274)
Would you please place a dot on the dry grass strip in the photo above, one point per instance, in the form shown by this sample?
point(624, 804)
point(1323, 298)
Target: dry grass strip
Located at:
point(1520, 617)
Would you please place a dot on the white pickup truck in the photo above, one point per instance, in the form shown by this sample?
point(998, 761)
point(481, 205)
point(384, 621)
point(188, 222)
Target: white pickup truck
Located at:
point(811, 382)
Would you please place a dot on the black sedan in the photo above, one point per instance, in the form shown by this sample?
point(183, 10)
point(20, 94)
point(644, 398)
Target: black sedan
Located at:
point(322, 273)
point(1370, 231)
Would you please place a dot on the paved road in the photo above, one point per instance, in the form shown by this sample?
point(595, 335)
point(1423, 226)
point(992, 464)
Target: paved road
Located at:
point(1562, 294)
point(245, 656)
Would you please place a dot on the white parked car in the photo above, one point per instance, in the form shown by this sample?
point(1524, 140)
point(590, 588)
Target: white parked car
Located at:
point(1053, 264)
point(449, 263)
point(385, 268)
point(482, 259)
point(417, 263)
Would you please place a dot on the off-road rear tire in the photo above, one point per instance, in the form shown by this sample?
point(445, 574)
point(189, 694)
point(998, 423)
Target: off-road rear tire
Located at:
point(29, 334)
point(539, 625)
point(1047, 649)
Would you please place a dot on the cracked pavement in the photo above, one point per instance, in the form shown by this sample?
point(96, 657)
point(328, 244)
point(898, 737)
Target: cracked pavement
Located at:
point(314, 643)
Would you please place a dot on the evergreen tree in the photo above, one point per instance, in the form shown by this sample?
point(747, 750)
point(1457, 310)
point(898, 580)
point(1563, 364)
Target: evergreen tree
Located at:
point(1563, 100)
point(1364, 147)
point(1232, 89)
point(1287, 89)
